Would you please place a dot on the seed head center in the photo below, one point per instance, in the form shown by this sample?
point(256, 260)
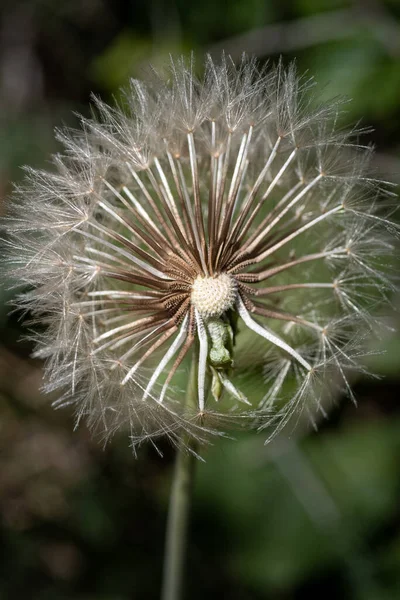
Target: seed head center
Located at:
point(212, 296)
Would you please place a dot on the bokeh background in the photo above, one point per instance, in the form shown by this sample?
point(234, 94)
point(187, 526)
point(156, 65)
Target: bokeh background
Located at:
point(313, 514)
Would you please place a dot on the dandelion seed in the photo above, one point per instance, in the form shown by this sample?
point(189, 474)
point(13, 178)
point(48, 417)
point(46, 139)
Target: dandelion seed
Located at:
point(196, 210)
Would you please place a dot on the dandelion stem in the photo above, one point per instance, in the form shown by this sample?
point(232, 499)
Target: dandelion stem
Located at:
point(179, 504)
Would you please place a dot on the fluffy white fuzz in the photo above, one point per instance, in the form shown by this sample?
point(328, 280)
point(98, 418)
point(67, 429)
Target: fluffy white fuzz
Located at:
point(232, 197)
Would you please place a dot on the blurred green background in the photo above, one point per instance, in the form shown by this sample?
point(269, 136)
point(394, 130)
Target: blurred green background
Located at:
point(316, 514)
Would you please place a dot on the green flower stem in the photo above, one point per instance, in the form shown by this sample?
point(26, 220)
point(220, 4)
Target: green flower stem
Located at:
point(179, 504)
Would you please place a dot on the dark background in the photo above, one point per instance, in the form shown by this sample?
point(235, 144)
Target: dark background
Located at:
point(313, 515)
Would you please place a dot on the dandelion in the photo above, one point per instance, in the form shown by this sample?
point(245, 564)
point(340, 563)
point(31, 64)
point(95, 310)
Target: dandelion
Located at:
point(175, 221)
point(193, 220)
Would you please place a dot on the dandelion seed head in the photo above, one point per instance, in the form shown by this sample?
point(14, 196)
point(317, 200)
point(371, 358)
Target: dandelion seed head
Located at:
point(195, 220)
